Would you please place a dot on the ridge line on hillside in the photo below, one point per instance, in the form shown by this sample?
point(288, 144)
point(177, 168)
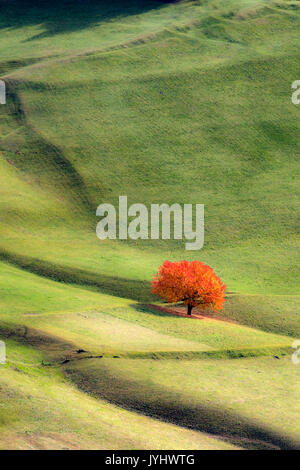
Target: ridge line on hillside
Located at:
point(141, 39)
point(59, 161)
point(127, 43)
point(75, 276)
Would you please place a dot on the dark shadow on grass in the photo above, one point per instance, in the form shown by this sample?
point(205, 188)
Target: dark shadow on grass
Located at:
point(155, 401)
point(7, 66)
point(67, 16)
point(143, 307)
point(117, 286)
point(51, 160)
point(54, 349)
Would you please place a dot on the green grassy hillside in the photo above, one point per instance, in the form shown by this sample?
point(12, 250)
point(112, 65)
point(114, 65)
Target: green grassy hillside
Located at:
point(190, 394)
point(185, 102)
point(165, 119)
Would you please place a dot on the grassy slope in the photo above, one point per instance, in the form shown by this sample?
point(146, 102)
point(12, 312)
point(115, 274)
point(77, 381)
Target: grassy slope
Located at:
point(244, 400)
point(118, 109)
point(106, 324)
point(156, 102)
point(50, 328)
point(56, 415)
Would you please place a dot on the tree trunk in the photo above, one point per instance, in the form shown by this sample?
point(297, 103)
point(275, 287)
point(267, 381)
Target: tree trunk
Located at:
point(189, 309)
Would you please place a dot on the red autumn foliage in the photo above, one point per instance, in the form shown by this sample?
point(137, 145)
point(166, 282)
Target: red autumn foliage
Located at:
point(193, 283)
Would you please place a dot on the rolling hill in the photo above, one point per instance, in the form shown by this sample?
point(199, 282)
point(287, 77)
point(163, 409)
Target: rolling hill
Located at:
point(185, 102)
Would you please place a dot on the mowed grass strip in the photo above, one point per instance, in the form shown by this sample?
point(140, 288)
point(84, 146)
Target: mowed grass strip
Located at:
point(105, 324)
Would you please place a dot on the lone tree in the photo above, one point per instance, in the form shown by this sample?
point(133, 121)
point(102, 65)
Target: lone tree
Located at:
point(192, 283)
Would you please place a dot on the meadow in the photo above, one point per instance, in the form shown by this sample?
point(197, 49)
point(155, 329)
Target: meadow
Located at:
point(181, 102)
